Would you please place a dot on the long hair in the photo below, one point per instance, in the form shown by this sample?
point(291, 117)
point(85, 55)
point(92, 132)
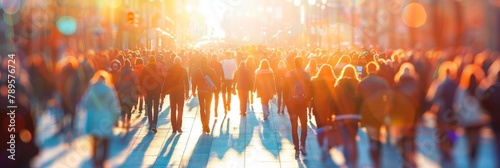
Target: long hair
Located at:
point(102, 75)
point(312, 67)
point(264, 64)
point(349, 71)
point(407, 69)
point(471, 78)
point(325, 71)
point(282, 64)
point(447, 69)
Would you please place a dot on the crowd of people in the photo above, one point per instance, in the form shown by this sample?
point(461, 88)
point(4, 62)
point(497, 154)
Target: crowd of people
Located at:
point(343, 90)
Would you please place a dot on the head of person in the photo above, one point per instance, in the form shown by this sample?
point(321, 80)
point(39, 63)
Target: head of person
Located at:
point(325, 71)
point(228, 55)
point(299, 62)
point(127, 64)
point(264, 64)
point(471, 78)
point(282, 64)
point(406, 70)
point(177, 60)
point(349, 71)
point(372, 67)
point(115, 65)
point(242, 64)
point(152, 60)
point(448, 70)
point(101, 76)
point(139, 61)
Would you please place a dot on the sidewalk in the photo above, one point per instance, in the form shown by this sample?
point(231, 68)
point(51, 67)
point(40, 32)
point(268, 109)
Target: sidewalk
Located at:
point(234, 141)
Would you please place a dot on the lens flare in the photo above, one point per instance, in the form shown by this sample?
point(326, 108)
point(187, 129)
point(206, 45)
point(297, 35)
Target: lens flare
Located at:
point(414, 15)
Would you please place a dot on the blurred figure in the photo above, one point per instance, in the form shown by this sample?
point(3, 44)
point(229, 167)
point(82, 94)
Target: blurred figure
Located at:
point(265, 86)
point(152, 82)
point(163, 68)
point(229, 68)
point(346, 112)
point(102, 105)
point(322, 101)
point(472, 116)
point(114, 71)
point(374, 97)
point(242, 82)
point(441, 95)
point(201, 84)
point(404, 111)
point(177, 86)
point(252, 67)
point(312, 69)
point(22, 149)
point(139, 66)
point(490, 101)
point(297, 93)
point(128, 91)
point(279, 74)
point(68, 84)
point(219, 77)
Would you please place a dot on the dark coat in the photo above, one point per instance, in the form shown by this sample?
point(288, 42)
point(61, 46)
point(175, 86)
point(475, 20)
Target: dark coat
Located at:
point(219, 73)
point(290, 77)
point(127, 87)
point(176, 80)
point(322, 98)
point(264, 83)
point(406, 102)
point(491, 102)
point(344, 96)
point(374, 96)
point(152, 79)
point(279, 74)
point(243, 79)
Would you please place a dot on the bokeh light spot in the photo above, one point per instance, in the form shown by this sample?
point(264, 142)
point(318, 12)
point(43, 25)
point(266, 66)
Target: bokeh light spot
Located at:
point(10, 6)
point(25, 136)
point(66, 25)
point(114, 3)
point(414, 15)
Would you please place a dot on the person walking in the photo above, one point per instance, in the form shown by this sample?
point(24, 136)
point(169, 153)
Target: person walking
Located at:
point(297, 93)
point(139, 66)
point(322, 101)
point(405, 109)
point(473, 117)
point(229, 68)
point(279, 74)
point(242, 82)
point(103, 109)
point(373, 93)
point(346, 112)
point(219, 77)
point(202, 83)
point(128, 90)
point(177, 86)
point(265, 86)
point(152, 82)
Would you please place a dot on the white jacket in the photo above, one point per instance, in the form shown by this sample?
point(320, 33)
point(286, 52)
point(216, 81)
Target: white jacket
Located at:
point(229, 67)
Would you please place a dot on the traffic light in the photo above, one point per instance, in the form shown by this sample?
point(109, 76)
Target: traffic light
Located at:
point(130, 18)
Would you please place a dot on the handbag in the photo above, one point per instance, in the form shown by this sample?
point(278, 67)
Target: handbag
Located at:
point(209, 85)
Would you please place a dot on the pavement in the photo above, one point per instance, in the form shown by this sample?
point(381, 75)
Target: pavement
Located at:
point(234, 141)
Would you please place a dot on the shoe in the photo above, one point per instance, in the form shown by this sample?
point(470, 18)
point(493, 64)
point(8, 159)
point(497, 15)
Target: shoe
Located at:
point(297, 154)
point(154, 130)
point(228, 108)
point(265, 117)
point(179, 131)
point(303, 151)
point(216, 115)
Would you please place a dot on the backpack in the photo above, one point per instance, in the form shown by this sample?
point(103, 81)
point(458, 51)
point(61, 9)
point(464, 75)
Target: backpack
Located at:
point(298, 91)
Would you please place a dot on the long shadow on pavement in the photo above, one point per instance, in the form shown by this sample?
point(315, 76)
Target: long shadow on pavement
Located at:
point(200, 155)
point(165, 157)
